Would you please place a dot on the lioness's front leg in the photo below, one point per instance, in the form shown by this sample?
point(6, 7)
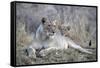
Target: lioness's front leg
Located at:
point(44, 52)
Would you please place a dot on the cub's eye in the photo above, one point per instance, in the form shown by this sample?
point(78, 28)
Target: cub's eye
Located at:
point(49, 25)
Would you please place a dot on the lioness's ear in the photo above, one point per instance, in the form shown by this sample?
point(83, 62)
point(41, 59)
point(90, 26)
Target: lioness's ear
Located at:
point(43, 20)
point(68, 28)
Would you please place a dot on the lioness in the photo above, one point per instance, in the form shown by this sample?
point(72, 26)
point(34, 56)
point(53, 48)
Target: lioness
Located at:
point(49, 37)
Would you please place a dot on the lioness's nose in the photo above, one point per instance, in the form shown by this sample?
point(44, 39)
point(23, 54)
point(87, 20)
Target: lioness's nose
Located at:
point(53, 32)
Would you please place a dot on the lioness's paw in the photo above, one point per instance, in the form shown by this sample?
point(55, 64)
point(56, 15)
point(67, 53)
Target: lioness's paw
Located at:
point(30, 52)
point(43, 53)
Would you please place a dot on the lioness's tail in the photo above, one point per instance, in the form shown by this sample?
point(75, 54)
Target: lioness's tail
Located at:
point(78, 47)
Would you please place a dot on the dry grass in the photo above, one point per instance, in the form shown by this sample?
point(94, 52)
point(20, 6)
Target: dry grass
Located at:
point(23, 38)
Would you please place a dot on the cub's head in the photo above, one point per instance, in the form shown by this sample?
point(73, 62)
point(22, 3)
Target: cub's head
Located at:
point(65, 30)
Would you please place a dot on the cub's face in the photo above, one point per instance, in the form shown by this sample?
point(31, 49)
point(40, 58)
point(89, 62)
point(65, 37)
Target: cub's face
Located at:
point(65, 30)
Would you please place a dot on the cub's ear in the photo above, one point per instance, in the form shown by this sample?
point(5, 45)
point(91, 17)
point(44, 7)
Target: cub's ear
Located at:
point(54, 22)
point(43, 20)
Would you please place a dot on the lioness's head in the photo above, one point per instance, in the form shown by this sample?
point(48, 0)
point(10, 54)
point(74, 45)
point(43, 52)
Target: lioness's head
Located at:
point(49, 28)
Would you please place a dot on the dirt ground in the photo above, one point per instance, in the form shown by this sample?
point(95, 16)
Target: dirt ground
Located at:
point(55, 56)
